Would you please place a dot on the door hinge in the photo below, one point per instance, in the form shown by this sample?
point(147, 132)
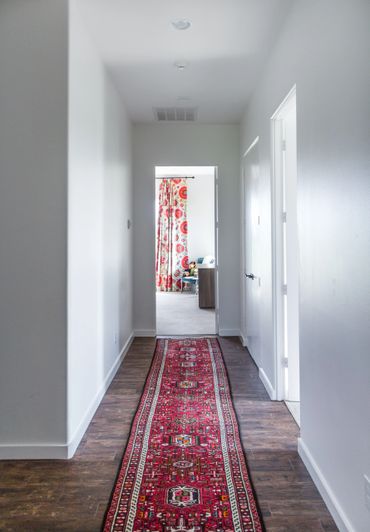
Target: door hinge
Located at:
point(285, 362)
point(284, 217)
point(283, 145)
point(285, 289)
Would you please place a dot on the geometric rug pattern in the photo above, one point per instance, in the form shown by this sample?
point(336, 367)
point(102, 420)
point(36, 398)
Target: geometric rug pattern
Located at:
point(184, 468)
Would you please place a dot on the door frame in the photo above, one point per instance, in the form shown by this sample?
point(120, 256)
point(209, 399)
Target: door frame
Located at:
point(216, 228)
point(243, 235)
point(216, 243)
point(277, 243)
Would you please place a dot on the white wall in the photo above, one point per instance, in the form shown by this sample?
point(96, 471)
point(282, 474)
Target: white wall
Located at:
point(324, 49)
point(99, 251)
point(66, 251)
point(201, 216)
point(185, 145)
point(33, 225)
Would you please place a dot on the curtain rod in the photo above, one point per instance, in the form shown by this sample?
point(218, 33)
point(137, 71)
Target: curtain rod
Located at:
point(176, 177)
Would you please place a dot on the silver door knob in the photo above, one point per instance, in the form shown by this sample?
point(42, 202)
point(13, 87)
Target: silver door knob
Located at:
point(250, 276)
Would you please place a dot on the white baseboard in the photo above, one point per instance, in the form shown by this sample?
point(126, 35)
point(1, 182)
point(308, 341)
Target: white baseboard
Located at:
point(33, 451)
point(36, 451)
point(244, 342)
point(81, 429)
point(334, 507)
point(229, 332)
point(243, 339)
point(267, 384)
point(142, 333)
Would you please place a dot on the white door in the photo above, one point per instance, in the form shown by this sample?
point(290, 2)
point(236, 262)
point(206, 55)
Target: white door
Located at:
point(251, 227)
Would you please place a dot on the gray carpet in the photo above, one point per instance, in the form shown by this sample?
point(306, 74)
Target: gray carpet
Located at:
point(179, 313)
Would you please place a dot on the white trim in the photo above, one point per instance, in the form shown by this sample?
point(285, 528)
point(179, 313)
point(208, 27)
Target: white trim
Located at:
point(261, 373)
point(267, 384)
point(294, 408)
point(341, 519)
point(33, 451)
point(265, 380)
point(242, 338)
point(55, 451)
point(142, 333)
point(229, 332)
point(252, 357)
point(276, 241)
point(291, 94)
point(250, 147)
point(216, 243)
point(276, 255)
point(85, 422)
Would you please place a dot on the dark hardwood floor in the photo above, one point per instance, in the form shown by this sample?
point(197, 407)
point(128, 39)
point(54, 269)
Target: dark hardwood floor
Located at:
point(73, 495)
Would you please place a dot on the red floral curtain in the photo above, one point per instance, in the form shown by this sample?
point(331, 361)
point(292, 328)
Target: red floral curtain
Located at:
point(172, 229)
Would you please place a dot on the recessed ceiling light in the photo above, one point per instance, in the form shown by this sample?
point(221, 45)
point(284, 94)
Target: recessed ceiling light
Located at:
point(181, 24)
point(180, 65)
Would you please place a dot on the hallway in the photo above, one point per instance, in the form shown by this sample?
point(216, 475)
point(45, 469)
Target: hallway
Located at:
point(100, 102)
point(73, 495)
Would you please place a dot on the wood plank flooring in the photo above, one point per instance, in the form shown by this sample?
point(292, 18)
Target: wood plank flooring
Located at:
point(73, 495)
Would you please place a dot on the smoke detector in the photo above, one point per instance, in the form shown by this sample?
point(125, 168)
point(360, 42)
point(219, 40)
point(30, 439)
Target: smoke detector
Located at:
point(181, 24)
point(180, 65)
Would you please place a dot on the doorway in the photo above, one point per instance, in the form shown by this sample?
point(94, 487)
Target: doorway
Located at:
point(186, 250)
point(285, 253)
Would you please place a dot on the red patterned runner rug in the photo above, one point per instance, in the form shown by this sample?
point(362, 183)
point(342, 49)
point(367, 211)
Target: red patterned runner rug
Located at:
point(184, 468)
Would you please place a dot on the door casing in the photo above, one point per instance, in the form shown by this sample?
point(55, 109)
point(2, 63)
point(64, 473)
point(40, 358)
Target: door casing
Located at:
point(216, 243)
point(278, 277)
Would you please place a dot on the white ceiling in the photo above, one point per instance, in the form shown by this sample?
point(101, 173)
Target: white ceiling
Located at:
point(225, 48)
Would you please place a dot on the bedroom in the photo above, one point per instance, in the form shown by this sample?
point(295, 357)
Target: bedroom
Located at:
point(185, 207)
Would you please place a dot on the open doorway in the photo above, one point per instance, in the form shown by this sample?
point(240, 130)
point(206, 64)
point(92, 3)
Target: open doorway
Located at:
point(186, 250)
point(285, 253)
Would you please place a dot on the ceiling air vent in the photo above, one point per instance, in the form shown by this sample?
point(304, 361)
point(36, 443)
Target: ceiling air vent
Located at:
point(175, 114)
